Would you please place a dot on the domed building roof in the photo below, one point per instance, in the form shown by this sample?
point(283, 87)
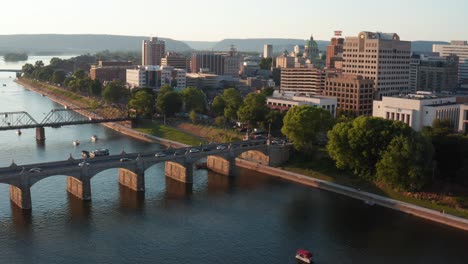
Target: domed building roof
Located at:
point(311, 50)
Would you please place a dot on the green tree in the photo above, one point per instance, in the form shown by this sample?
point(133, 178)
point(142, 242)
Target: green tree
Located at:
point(265, 63)
point(359, 144)
point(56, 62)
point(194, 99)
point(233, 100)
point(96, 88)
point(39, 64)
point(407, 162)
point(165, 89)
point(253, 110)
point(304, 124)
point(58, 76)
point(115, 92)
point(169, 103)
point(28, 69)
point(79, 74)
point(275, 118)
point(268, 91)
point(220, 121)
point(193, 116)
point(218, 106)
point(143, 102)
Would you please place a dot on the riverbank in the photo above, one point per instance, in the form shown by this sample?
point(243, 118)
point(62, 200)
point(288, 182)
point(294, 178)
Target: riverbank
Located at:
point(370, 198)
point(366, 197)
point(80, 101)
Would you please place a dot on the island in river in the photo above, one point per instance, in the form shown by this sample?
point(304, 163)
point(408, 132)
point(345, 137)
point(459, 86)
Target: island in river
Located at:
point(15, 57)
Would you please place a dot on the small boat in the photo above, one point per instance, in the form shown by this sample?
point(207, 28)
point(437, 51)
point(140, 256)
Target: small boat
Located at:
point(76, 142)
point(4, 84)
point(304, 256)
point(94, 138)
point(85, 154)
point(18, 132)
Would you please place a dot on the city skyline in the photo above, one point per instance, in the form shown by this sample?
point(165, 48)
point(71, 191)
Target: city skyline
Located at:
point(209, 20)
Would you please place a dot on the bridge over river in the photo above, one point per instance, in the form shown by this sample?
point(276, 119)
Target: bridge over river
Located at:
point(179, 165)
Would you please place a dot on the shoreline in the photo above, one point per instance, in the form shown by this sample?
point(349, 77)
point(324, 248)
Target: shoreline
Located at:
point(368, 198)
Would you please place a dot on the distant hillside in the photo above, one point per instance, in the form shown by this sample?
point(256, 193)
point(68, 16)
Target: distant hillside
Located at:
point(256, 45)
point(424, 46)
point(201, 45)
point(79, 44)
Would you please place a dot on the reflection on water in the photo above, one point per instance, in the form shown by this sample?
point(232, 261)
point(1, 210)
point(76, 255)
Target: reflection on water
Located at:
point(248, 218)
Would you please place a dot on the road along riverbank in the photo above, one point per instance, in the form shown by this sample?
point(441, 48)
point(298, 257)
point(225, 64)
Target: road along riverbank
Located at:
point(117, 126)
point(366, 197)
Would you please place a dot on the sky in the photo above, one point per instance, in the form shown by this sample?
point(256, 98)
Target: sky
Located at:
point(214, 20)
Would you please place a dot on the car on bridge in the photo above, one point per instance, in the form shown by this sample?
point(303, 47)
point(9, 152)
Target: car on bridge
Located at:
point(35, 170)
point(83, 163)
point(194, 150)
point(160, 154)
point(219, 147)
point(125, 159)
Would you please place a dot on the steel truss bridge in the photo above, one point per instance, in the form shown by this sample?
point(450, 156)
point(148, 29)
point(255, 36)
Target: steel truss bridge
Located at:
point(62, 117)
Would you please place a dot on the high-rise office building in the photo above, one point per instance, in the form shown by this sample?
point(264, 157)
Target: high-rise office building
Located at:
point(354, 93)
point(228, 64)
point(303, 80)
point(175, 60)
point(335, 50)
point(152, 51)
point(459, 48)
point(285, 61)
point(433, 74)
point(267, 51)
point(381, 57)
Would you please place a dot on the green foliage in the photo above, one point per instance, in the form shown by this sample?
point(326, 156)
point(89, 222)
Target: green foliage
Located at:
point(115, 92)
point(169, 103)
point(194, 99)
point(268, 91)
point(221, 122)
point(265, 63)
point(39, 64)
point(253, 110)
point(303, 125)
point(359, 144)
point(58, 77)
point(233, 101)
point(143, 102)
point(407, 162)
point(79, 74)
point(275, 118)
point(28, 69)
point(218, 106)
point(95, 88)
point(165, 89)
point(193, 116)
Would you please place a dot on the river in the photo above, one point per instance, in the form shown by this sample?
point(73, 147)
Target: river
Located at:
point(250, 218)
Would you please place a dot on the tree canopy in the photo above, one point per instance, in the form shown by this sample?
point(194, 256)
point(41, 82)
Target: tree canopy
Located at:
point(233, 101)
point(169, 103)
point(194, 99)
point(253, 110)
point(143, 102)
point(115, 92)
point(303, 125)
point(360, 144)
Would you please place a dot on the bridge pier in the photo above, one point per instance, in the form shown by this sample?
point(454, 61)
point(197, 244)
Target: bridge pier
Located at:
point(40, 133)
point(79, 188)
point(221, 165)
point(132, 180)
point(179, 172)
point(21, 197)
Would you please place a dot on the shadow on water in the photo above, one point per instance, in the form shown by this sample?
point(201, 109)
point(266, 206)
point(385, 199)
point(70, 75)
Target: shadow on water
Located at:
point(22, 219)
point(131, 200)
point(176, 190)
point(79, 210)
point(218, 183)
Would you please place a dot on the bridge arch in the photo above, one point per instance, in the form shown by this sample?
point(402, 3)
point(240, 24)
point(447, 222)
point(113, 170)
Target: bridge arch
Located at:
point(255, 155)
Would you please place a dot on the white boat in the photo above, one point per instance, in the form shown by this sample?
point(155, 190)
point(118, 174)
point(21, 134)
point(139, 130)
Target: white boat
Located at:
point(18, 132)
point(94, 138)
point(76, 142)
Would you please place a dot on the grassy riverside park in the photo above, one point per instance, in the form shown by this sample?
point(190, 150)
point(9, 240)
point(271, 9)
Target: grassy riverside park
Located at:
point(320, 166)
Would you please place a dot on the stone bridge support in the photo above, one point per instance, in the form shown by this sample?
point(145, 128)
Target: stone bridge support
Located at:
point(21, 196)
point(80, 188)
point(179, 172)
point(40, 133)
point(132, 180)
point(221, 165)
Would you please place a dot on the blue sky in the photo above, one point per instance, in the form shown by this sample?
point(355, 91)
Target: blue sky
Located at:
point(213, 20)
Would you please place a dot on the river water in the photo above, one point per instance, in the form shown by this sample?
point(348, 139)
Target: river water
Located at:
point(250, 218)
